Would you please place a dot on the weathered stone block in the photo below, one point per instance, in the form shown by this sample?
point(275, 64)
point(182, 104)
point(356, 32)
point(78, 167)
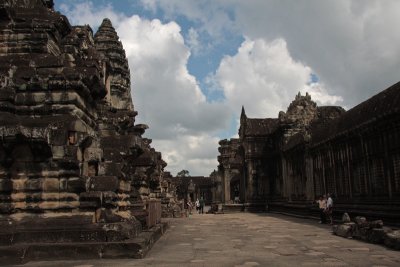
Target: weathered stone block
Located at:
point(362, 233)
point(93, 154)
point(76, 184)
point(112, 168)
point(30, 98)
point(58, 152)
point(346, 218)
point(109, 199)
point(377, 235)
point(5, 207)
point(90, 199)
point(110, 154)
point(103, 183)
point(376, 224)
point(144, 190)
point(360, 220)
point(107, 216)
point(33, 185)
point(83, 234)
point(33, 197)
point(19, 184)
point(58, 137)
point(101, 169)
point(344, 230)
point(51, 185)
point(71, 152)
point(122, 231)
point(48, 205)
point(5, 185)
point(63, 184)
point(125, 186)
point(392, 239)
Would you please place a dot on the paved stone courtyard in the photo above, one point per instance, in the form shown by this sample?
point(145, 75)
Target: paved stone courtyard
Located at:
point(246, 239)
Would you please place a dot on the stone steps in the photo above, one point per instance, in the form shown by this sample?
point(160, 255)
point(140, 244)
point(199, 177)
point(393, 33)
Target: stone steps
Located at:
point(231, 208)
point(136, 248)
point(246, 207)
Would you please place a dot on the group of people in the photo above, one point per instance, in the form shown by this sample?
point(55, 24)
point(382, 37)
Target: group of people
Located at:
point(325, 204)
point(199, 204)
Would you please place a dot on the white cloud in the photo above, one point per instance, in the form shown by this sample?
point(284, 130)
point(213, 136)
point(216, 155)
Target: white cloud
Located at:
point(211, 17)
point(320, 95)
point(198, 154)
point(351, 45)
point(264, 78)
point(193, 41)
point(164, 92)
point(86, 13)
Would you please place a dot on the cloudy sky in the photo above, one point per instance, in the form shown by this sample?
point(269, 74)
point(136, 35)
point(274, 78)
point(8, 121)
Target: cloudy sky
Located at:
point(194, 63)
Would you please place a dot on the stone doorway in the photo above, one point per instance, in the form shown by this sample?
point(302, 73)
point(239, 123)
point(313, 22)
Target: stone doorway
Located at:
point(235, 189)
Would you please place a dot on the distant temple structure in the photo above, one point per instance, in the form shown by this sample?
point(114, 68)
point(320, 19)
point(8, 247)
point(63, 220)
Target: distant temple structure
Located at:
point(75, 171)
point(195, 187)
point(283, 164)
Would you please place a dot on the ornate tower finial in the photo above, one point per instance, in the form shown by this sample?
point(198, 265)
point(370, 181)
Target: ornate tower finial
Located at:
point(118, 80)
point(243, 113)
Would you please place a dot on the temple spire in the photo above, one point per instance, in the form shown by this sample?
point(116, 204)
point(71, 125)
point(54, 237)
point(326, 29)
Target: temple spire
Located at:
point(118, 76)
point(243, 113)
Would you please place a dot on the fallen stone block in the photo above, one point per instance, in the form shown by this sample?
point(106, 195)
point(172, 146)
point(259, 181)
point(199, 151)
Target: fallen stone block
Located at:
point(392, 240)
point(361, 221)
point(376, 224)
point(344, 230)
point(377, 235)
point(362, 233)
point(346, 218)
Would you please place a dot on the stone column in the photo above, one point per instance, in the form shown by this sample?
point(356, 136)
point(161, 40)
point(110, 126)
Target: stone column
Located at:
point(310, 190)
point(250, 181)
point(227, 188)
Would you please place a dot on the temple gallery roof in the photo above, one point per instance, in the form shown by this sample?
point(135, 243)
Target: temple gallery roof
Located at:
point(383, 104)
point(260, 126)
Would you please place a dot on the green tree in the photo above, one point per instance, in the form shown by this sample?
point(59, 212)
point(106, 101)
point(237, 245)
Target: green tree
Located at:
point(183, 173)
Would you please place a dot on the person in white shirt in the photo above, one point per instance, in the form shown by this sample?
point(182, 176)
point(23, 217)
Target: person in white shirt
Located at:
point(190, 206)
point(329, 207)
point(198, 205)
point(322, 207)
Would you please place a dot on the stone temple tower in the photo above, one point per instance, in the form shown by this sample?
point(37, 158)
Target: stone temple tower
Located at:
point(117, 75)
point(73, 163)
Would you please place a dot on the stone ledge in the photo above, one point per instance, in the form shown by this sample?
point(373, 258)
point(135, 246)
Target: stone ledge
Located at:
point(244, 207)
point(232, 208)
point(136, 248)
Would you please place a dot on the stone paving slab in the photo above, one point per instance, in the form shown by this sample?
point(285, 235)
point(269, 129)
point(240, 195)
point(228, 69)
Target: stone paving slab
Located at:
point(246, 239)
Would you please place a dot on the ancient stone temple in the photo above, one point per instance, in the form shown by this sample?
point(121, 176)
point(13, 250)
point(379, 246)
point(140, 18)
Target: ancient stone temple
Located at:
point(231, 171)
point(195, 187)
point(283, 164)
point(75, 171)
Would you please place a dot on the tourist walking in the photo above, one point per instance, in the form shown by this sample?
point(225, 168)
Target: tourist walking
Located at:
point(329, 207)
point(197, 205)
point(201, 205)
point(190, 206)
point(322, 207)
